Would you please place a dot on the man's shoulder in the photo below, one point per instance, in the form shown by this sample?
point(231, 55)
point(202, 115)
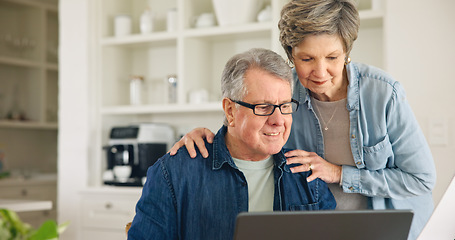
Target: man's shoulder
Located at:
point(183, 157)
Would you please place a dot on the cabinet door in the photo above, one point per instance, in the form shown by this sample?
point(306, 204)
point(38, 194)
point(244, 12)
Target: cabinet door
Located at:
point(107, 212)
point(36, 192)
point(46, 192)
point(97, 234)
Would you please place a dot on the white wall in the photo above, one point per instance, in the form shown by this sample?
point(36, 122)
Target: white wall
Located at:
point(421, 39)
point(74, 113)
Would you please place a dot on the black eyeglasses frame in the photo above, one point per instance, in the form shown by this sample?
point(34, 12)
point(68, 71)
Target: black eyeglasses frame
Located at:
point(253, 106)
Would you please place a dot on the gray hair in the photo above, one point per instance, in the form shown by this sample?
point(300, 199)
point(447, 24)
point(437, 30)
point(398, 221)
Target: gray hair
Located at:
point(232, 84)
point(301, 18)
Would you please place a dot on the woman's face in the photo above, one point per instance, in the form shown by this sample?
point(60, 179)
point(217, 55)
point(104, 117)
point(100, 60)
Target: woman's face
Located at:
point(319, 62)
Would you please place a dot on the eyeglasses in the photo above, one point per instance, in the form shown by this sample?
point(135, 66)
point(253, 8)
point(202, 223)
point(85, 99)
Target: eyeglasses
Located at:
point(266, 109)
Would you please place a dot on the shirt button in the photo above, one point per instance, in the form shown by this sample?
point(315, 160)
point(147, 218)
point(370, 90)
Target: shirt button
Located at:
point(351, 188)
point(352, 136)
point(358, 163)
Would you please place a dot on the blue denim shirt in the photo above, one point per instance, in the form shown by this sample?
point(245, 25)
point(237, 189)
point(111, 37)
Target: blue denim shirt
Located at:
point(394, 165)
point(200, 198)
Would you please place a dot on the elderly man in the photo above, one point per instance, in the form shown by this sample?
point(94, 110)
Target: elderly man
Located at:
point(246, 170)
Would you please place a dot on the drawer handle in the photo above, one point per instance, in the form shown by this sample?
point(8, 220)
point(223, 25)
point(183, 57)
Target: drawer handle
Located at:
point(108, 205)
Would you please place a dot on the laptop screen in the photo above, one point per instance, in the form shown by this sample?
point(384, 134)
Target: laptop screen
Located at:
point(442, 222)
point(352, 225)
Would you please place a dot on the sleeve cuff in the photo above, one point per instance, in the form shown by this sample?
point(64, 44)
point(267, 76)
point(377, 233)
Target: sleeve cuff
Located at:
point(350, 181)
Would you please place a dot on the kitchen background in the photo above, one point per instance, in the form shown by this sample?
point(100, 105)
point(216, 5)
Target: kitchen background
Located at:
point(68, 60)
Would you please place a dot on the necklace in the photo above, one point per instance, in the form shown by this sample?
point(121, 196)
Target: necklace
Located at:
point(320, 115)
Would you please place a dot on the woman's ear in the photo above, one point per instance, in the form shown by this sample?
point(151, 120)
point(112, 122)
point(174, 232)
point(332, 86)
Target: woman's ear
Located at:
point(229, 111)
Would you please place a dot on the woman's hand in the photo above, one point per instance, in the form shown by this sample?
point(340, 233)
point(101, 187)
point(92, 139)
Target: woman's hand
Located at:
point(196, 136)
point(328, 172)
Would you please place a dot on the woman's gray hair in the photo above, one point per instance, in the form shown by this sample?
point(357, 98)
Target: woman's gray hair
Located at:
point(301, 18)
point(232, 79)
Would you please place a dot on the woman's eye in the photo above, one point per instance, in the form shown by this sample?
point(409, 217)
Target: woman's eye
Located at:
point(333, 58)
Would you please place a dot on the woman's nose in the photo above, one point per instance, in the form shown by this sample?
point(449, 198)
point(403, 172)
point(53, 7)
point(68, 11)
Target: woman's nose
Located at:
point(320, 69)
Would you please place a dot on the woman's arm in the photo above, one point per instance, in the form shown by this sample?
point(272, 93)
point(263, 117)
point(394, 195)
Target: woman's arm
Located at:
point(398, 163)
point(196, 136)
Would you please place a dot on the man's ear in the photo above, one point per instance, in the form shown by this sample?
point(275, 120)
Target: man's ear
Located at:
point(229, 111)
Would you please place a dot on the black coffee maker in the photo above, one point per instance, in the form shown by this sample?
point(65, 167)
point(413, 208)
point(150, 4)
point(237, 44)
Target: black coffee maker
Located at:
point(135, 148)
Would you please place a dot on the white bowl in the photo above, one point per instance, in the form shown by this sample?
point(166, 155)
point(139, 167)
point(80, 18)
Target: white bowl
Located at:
point(122, 173)
point(233, 12)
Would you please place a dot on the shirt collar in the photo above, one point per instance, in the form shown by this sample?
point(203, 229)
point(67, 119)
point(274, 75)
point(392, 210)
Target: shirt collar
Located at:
point(222, 156)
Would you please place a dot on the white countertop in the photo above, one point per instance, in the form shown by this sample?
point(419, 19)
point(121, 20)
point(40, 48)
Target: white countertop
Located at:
point(25, 205)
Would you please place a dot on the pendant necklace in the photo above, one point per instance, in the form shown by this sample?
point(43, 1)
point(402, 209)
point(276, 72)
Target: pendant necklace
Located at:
point(320, 115)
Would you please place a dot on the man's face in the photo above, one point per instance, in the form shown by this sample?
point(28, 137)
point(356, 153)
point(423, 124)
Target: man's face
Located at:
point(252, 137)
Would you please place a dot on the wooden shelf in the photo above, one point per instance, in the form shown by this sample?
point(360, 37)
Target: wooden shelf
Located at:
point(28, 125)
point(18, 62)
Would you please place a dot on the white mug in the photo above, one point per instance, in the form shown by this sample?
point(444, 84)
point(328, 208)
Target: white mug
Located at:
point(205, 20)
point(122, 25)
point(122, 173)
point(199, 96)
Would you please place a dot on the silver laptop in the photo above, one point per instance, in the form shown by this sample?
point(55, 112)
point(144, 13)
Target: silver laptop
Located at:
point(314, 225)
point(442, 222)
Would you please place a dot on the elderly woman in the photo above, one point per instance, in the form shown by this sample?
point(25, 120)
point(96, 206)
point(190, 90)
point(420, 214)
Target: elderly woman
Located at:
point(354, 128)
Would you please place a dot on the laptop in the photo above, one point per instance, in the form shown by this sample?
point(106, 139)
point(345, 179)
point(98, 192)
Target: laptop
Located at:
point(324, 224)
point(442, 222)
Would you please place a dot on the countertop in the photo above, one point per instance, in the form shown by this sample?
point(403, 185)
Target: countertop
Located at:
point(25, 205)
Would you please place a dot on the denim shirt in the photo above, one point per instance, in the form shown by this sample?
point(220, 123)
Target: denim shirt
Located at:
point(394, 166)
point(200, 198)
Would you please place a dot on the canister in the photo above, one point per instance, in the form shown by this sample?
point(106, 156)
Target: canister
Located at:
point(136, 86)
point(122, 25)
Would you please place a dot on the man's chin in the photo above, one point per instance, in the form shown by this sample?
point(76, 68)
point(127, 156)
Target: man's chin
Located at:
point(274, 149)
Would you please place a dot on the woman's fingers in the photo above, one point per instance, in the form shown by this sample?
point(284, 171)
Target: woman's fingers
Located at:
point(195, 137)
point(301, 168)
point(319, 167)
point(176, 146)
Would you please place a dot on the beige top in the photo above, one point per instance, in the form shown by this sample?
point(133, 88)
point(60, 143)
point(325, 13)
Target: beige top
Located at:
point(334, 120)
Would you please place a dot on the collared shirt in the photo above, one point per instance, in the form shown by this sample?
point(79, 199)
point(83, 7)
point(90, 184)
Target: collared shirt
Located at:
point(393, 163)
point(200, 198)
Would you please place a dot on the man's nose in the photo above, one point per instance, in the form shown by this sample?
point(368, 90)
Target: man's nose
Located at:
point(276, 118)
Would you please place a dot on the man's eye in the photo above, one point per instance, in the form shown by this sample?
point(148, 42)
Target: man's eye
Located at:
point(263, 107)
point(286, 106)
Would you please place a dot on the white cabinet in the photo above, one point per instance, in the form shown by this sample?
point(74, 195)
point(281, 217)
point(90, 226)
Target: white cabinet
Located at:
point(28, 64)
point(196, 55)
point(32, 189)
point(106, 211)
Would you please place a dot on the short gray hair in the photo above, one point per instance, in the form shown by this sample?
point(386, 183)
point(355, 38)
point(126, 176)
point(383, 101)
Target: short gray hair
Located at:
point(232, 79)
point(301, 18)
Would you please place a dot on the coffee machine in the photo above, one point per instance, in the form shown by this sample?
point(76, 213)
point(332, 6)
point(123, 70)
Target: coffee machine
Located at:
point(132, 149)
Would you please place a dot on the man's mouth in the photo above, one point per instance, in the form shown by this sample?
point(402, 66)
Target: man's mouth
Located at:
point(271, 134)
